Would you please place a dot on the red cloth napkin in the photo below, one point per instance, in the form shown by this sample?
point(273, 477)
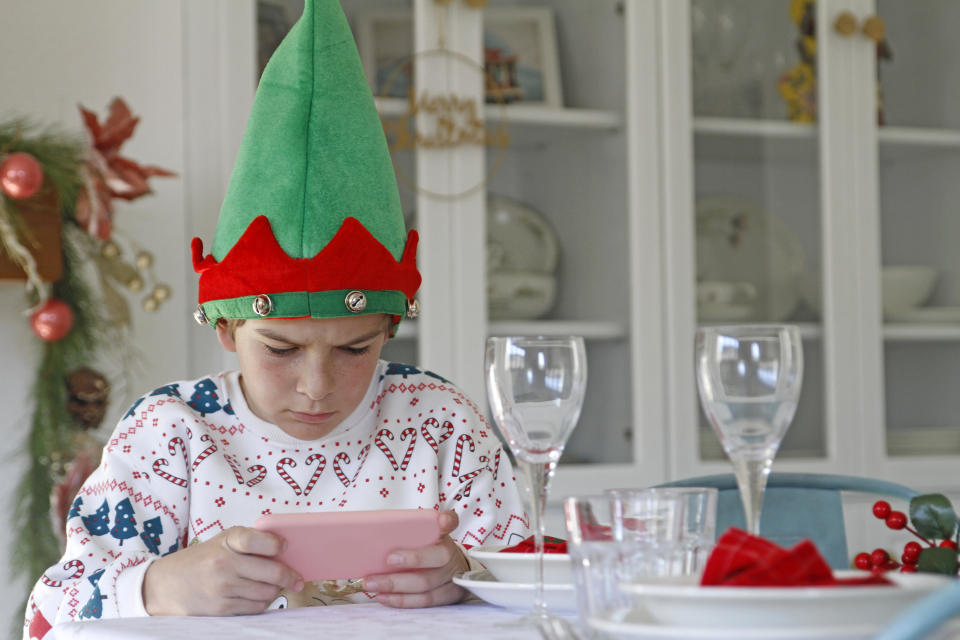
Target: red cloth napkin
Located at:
point(742, 560)
point(550, 545)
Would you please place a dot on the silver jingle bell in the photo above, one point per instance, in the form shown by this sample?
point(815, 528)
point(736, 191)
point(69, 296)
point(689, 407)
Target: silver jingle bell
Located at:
point(413, 309)
point(200, 316)
point(356, 301)
point(262, 305)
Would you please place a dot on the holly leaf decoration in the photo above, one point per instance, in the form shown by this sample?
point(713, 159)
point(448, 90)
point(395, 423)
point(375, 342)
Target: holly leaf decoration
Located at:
point(933, 516)
point(938, 560)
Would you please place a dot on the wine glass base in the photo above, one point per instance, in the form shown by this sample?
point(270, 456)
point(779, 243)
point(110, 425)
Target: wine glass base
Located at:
point(550, 625)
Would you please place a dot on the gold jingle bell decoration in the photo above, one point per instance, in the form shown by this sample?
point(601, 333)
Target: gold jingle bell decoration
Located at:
point(356, 301)
point(262, 305)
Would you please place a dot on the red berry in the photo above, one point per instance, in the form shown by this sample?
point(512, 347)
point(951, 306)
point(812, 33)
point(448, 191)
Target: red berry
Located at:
point(908, 568)
point(881, 509)
point(897, 520)
point(912, 547)
point(879, 558)
point(862, 561)
point(909, 558)
point(948, 544)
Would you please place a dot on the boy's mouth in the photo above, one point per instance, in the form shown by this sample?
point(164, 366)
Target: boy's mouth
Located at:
point(312, 418)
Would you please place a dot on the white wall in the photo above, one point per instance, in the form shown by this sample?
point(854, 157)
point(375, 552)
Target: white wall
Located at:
point(56, 54)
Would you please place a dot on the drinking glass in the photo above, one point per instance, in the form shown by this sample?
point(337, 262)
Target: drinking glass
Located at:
point(749, 380)
point(536, 386)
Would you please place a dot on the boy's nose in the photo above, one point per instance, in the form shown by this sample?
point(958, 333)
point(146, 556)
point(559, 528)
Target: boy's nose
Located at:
point(316, 382)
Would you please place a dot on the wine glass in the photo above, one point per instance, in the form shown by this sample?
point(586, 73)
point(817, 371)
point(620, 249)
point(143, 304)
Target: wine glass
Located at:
point(749, 380)
point(536, 387)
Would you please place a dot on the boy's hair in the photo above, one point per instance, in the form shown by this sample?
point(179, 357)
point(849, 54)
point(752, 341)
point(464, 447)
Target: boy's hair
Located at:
point(231, 324)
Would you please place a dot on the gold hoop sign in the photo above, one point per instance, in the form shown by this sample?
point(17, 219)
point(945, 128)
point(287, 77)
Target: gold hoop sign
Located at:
point(446, 121)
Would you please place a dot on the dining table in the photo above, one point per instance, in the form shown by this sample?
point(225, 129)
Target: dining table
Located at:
point(462, 621)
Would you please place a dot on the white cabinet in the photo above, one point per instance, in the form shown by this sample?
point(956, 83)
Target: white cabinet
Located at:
point(860, 199)
point(670, 108)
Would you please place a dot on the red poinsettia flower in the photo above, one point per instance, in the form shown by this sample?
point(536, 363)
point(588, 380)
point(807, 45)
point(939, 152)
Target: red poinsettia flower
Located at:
point(109, 174)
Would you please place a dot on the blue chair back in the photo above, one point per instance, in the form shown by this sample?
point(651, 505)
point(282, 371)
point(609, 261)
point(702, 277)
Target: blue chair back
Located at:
point(798, 506)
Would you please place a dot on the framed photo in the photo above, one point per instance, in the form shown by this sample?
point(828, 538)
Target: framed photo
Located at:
point(525, 39)
point(520, 54)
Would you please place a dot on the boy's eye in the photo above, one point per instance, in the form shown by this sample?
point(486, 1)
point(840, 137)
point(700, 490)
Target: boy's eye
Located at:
point(357, 351)
point(279, 351)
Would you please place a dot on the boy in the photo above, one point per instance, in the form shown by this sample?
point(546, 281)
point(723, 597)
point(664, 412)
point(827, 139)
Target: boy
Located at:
point(309, 273)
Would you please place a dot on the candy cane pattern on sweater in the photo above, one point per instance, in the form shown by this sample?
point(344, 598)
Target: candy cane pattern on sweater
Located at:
point(261, 474)
point(378, 440)
point(162, 462)
point(458, 455)
point(206, 452)
point(76, 565)
point(232, 461)
point(468, 478)
point(284, 462)
point(412, 433)
point(345, 457)
point(321, 465)
point(447, 427)
point(360, 460)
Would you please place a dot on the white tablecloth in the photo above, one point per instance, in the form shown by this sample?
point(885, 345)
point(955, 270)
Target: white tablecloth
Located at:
point(463, 622)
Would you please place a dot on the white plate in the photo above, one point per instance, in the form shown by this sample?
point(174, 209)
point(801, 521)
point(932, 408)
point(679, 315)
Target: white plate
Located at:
point(515, 595)
point(928, 315)
point(519, 238)
point(676, 603)
point(520, 567)
point(639, 626)
point(764, 252)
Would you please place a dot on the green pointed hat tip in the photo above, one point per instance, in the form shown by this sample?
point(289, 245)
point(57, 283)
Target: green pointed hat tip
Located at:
point(314, 152)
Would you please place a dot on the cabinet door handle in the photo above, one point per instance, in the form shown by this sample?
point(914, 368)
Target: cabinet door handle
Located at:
point(875, 28)
point(845, 24)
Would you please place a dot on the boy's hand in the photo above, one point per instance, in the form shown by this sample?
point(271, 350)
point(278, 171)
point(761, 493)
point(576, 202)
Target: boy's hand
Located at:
point(424, 577)
point(229, 574)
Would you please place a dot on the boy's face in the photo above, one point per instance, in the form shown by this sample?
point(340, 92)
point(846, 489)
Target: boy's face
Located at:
point(306, 375)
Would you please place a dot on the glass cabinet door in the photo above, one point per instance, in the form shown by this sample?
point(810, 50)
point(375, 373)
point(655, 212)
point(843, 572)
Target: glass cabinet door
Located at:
point(919, 161)
point(558, 219)
point(756, 187)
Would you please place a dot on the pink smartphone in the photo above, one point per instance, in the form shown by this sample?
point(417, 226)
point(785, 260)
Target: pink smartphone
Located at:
point(340, 545)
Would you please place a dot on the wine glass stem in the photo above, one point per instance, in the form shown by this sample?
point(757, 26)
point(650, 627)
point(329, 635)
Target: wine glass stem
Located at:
point(538, 479)
point(752, 481)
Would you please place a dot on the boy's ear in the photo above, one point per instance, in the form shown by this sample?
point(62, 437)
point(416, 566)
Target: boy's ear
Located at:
point(225, 337)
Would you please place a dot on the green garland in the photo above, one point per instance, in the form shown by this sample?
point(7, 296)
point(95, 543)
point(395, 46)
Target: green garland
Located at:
point(35, 547)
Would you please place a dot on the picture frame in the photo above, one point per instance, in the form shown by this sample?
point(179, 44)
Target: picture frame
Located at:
point(529, 34)
point(524, 37)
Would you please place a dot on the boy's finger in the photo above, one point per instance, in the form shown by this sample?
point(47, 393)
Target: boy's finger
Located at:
point(448, 522)
point(247, 540)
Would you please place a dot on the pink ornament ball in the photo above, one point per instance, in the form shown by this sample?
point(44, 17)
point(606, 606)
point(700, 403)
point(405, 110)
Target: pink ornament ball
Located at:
point(20, 175)
point(52, 321)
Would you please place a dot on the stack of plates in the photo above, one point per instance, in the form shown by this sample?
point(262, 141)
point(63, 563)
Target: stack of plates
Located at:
point(508, 580)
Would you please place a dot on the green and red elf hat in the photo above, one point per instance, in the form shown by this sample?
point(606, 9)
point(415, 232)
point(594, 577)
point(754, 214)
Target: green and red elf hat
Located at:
point(311, 224)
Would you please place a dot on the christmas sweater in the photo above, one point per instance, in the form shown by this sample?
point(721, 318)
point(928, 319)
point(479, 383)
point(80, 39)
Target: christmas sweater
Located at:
point(190, 459)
